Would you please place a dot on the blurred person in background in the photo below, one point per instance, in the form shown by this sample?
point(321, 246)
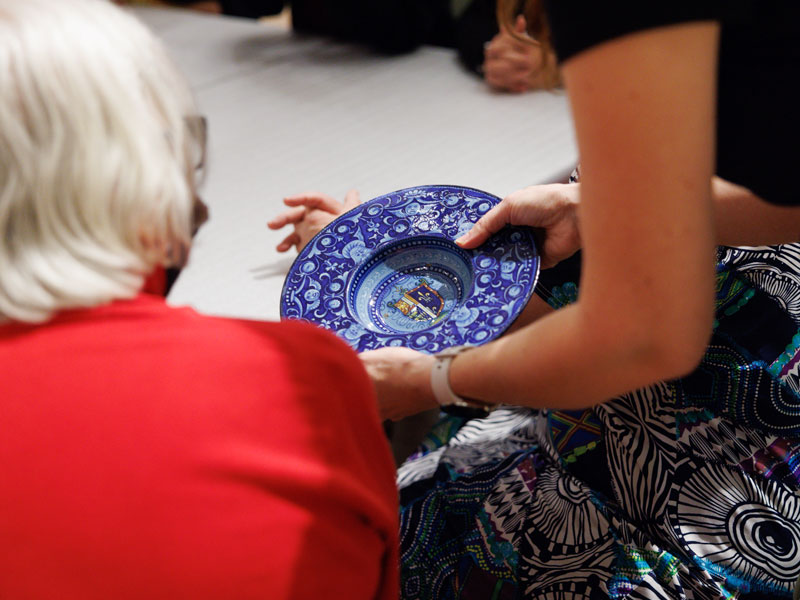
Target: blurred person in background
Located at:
point(506, 58)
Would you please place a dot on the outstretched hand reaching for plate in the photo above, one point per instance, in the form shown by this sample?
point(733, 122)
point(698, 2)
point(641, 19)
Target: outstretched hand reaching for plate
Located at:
point(309, 213)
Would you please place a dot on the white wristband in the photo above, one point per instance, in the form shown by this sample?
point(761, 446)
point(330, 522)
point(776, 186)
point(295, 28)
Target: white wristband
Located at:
point(440, 381)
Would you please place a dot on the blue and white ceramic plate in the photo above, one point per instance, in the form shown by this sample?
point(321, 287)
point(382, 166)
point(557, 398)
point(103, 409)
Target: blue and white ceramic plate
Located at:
point(388, 273)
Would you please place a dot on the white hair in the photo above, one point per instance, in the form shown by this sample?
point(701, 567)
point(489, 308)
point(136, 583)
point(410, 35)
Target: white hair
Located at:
point(96, 159)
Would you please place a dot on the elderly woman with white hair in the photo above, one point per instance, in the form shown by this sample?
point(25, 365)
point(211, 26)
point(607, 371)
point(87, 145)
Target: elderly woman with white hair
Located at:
point(149, 451)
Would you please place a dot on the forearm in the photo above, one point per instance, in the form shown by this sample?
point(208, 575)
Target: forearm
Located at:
point(744, 219)
point(534, 310)
point(568, 359)
point(647, 230)
point(646, 292)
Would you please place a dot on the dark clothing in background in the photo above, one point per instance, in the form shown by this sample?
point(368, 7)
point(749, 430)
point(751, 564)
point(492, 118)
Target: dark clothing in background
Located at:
point(398, 26)
point(386, 26)
point(758, 123)
point(252, 9)
point(390, 26)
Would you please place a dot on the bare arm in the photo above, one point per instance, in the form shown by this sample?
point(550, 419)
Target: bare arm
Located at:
point(644, 115)
point(744, 219)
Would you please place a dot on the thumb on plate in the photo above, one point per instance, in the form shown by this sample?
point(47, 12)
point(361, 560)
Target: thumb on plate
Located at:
point(490, 223)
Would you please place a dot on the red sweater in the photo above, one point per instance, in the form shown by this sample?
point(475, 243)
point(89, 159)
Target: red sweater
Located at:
point(151, 452)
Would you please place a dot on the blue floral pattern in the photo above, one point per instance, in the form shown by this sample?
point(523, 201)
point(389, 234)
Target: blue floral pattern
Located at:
point(388, 273)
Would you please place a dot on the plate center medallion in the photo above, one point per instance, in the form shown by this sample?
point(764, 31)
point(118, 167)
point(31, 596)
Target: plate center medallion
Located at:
point(422, 303)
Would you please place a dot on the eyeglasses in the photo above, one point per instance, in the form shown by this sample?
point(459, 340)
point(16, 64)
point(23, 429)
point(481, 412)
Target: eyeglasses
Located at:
point(197, 126)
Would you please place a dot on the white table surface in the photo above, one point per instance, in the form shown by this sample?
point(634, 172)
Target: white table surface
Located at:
point(289, 114)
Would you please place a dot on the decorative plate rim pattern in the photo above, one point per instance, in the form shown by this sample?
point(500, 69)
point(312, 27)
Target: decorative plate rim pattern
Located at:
point(319, 285)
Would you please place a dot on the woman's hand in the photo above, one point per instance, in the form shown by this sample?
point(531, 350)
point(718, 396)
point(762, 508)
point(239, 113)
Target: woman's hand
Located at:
point(310, 212)
point(552, 207)
point(402, 379)
point(514, 65)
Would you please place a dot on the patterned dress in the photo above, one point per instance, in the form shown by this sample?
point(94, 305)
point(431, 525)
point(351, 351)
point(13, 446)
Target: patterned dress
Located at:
point(687, 489)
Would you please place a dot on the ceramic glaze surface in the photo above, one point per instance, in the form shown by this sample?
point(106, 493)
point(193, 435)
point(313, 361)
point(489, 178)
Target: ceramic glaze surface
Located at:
point(388, 273)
